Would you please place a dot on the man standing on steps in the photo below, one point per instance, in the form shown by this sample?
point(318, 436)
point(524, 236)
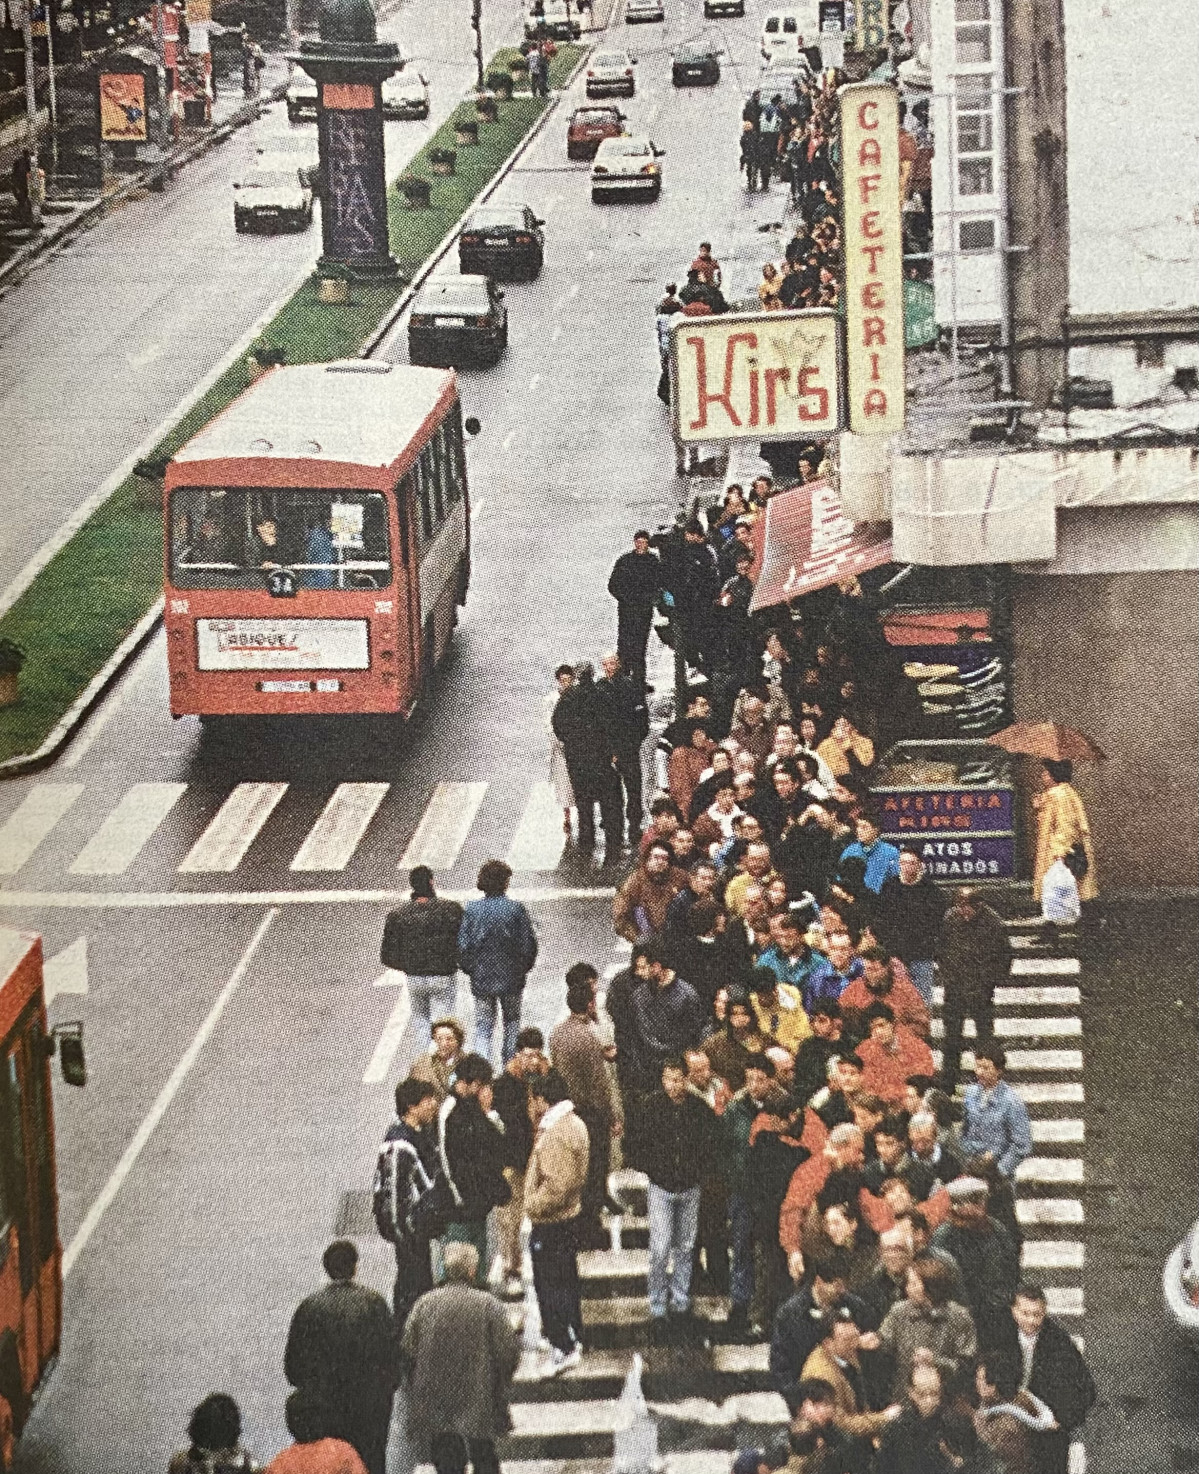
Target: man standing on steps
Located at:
point(510, 1100)
point(676, 1153)
point(975, 956)
point(420, 938)
point(911, 909)
point(1051, 1368)
point(578, 1055)
point(635, 583)
point(472, 1151)
point(554, 1185)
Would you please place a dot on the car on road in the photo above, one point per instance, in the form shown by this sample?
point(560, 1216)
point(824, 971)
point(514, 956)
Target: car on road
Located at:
point(293, 151)
point(588, 127)
point(636, 11)
point(783, 74)
point(504, 242)
point(713, 8)
point(610, 72)
point(696, 63)
point(406, 95)
point(301, 96)
point(554, 19)
point(1180, 1285)
point(626, 166)
point(272, 197)
point(457, 320)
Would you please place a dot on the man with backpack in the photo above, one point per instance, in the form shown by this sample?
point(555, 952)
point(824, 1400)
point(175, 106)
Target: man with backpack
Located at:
point(405, 1174)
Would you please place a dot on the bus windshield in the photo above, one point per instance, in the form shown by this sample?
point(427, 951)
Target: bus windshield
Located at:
point(231, 537)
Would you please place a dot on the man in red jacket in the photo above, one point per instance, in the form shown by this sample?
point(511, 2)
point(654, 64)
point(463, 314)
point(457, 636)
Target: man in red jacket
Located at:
point(890, 1055)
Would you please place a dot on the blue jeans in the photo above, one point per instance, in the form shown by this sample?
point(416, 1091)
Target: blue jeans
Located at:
point(673, 1223)
point(432, 997)
point(485, 1012)
point(921, 974)
point(741, 1231)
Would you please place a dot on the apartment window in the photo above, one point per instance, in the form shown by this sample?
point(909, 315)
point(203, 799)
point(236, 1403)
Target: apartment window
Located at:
point(973, 31)
point(975, 176)
point(976, 235)
point(973, 115)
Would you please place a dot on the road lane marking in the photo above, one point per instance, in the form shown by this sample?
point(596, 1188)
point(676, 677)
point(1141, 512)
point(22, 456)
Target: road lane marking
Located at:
point(1052, 1092)
point(29, 824)
point(1026, 967)
point(1067, 1301)
point(1050, 1169)
point(1058, 1133)
point(538, 841)
point(165, 1096)
point(1049, 1027)
point(532, 895)
point(233, 829)
point(1031, 1211)
point(1064, 996)
point(533, 382)
point(126, 831)
point(444, 826)
point(66, 972)
point(1024, 1059)
point(1052, 1254)
point(389, 1039)
point(332, 840)
point(556, 334)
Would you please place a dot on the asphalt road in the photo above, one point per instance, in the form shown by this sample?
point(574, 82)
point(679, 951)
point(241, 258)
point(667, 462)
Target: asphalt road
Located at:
point(235, 1011)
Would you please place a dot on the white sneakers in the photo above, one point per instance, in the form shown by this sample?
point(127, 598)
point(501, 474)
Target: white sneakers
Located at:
point(561, 1361)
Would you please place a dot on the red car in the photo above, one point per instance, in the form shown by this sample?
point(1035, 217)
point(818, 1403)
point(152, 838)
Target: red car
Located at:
point(588, 127)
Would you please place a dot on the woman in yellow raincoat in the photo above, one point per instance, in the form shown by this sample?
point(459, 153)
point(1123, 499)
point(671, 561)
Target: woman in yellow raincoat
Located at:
point(1061, 824)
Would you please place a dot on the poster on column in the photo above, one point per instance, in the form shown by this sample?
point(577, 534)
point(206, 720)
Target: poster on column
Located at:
point(874, 325)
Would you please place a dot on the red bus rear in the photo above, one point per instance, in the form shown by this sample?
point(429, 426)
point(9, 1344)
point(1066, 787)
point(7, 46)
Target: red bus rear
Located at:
point(317, 544)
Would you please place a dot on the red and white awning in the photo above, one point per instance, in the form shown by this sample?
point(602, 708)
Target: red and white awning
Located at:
point(806, 541)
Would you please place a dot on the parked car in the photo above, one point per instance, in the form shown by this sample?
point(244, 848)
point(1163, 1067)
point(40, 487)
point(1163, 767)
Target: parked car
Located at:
point(504, 242)
point(784, 31)
point(782, 74)
point(588, 127)
point(611, 72)
point(626, 166)
point(293, 151)
point(458, 320)
point(406, 95)
point(554, 19)
point(273, 198)
point(714, 8)
point(301, 96)
point(696, 63)
point(1180, 1285)
point(643, 10)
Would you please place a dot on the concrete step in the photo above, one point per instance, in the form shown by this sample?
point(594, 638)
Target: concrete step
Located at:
point(676, 1461)
point(622, 1321)
point(716, 1374)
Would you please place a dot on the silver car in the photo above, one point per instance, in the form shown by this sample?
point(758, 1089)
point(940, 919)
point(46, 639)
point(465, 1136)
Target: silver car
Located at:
point(643, 10)
point(1180, 1285)
point(610, 72)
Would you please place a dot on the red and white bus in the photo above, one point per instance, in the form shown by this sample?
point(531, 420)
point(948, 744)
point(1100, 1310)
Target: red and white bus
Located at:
point(318, 543)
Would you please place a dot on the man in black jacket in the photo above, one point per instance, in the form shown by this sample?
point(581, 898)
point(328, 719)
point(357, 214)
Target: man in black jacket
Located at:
point(341, 1350)
point(510, 1101)
point(579, 724)
point(695, 597)
point(420, 938)
point(1053, 1369)
point(626, 720)
point(975, 954)
point(908, 919)
point(635, 583)
point(472, 1149)
point(414, 1172)
point(678, 1150)
point(799, 1325)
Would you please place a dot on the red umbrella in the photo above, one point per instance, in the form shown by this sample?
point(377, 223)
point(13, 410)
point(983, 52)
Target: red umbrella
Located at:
point(1049, 740)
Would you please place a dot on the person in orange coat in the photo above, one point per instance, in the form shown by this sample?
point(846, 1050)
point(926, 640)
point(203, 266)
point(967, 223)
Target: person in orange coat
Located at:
point(688, 763)
point(845, 1150)
point(890, 1055)
point(312, 1452)
point(883, 981)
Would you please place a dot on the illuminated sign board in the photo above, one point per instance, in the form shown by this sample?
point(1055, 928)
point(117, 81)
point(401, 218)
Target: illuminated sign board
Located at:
point(282, 644)
point(874, 328)
point(755, 376)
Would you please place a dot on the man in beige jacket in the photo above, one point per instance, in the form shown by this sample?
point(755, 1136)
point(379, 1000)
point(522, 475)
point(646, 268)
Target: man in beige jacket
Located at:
point(554, 1182)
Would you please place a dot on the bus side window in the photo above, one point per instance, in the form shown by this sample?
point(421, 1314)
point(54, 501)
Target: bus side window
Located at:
point(47, 1206)
point(404, 495)
point(12, 1163)
point(441, 478)
point(457, 483)
point(424, 482)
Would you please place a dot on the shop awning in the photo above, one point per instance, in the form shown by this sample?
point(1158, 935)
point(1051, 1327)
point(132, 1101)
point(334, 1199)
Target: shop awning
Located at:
point(806, 541)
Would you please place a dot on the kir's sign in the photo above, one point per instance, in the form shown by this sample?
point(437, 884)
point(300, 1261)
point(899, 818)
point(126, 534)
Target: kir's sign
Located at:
point(755, 376)
point(874, 347)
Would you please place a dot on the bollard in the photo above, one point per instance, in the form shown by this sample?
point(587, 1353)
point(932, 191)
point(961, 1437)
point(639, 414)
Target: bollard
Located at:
point(530, 1333)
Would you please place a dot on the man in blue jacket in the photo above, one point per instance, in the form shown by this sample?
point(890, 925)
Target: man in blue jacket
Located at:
point(996, 1119)
point(881, 857)
point(497, 948)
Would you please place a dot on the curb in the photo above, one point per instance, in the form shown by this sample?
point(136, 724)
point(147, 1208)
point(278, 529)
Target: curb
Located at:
point(14, 271)
point(106, 678)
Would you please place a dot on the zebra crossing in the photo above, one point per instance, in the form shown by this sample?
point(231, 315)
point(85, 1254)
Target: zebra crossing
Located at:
point(707, 1402)
point(252, 813)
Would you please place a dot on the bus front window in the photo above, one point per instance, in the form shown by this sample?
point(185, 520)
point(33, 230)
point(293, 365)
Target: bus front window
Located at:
point(231, 537)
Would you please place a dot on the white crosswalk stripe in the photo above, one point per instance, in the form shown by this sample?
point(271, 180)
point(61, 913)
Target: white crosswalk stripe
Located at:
point(1065, 996)
point(538, 841)
point(1052, 1254)
point(234, 828)
point(1046, 1133)
point(1065, 1301)
point(1048, 1027)
point(1021, 1060)
point(1045, 966)
point(1050, 1169)
point(128, 828)
point(444, 826)
point(1051, 1092)
point(32, 821)
point(337, 833)
point(1030, 1211)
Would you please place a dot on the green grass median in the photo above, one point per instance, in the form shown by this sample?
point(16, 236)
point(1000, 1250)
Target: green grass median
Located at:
point(88, 598)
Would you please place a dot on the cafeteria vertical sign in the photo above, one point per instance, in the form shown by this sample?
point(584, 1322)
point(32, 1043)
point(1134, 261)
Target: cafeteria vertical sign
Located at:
point(874, 350)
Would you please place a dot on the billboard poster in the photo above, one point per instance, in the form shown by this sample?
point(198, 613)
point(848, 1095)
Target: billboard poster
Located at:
point(122, 107)
point(874, 300)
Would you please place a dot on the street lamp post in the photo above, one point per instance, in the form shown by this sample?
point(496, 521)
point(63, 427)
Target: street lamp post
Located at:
point(35, 193)
point(476, 21)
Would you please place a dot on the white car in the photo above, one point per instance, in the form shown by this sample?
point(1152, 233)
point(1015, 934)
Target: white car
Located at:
point(626, 166)
point(554, 18)
point(301, 96)
point(272, 198)
point(641, 10)
point(292, 151)
point(406, 95)
point(611, 72)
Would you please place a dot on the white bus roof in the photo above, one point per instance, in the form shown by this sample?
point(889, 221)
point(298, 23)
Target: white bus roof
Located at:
point(355, 411)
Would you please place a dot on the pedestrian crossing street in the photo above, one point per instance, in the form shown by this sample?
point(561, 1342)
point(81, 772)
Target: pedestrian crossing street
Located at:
point(145, 822)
